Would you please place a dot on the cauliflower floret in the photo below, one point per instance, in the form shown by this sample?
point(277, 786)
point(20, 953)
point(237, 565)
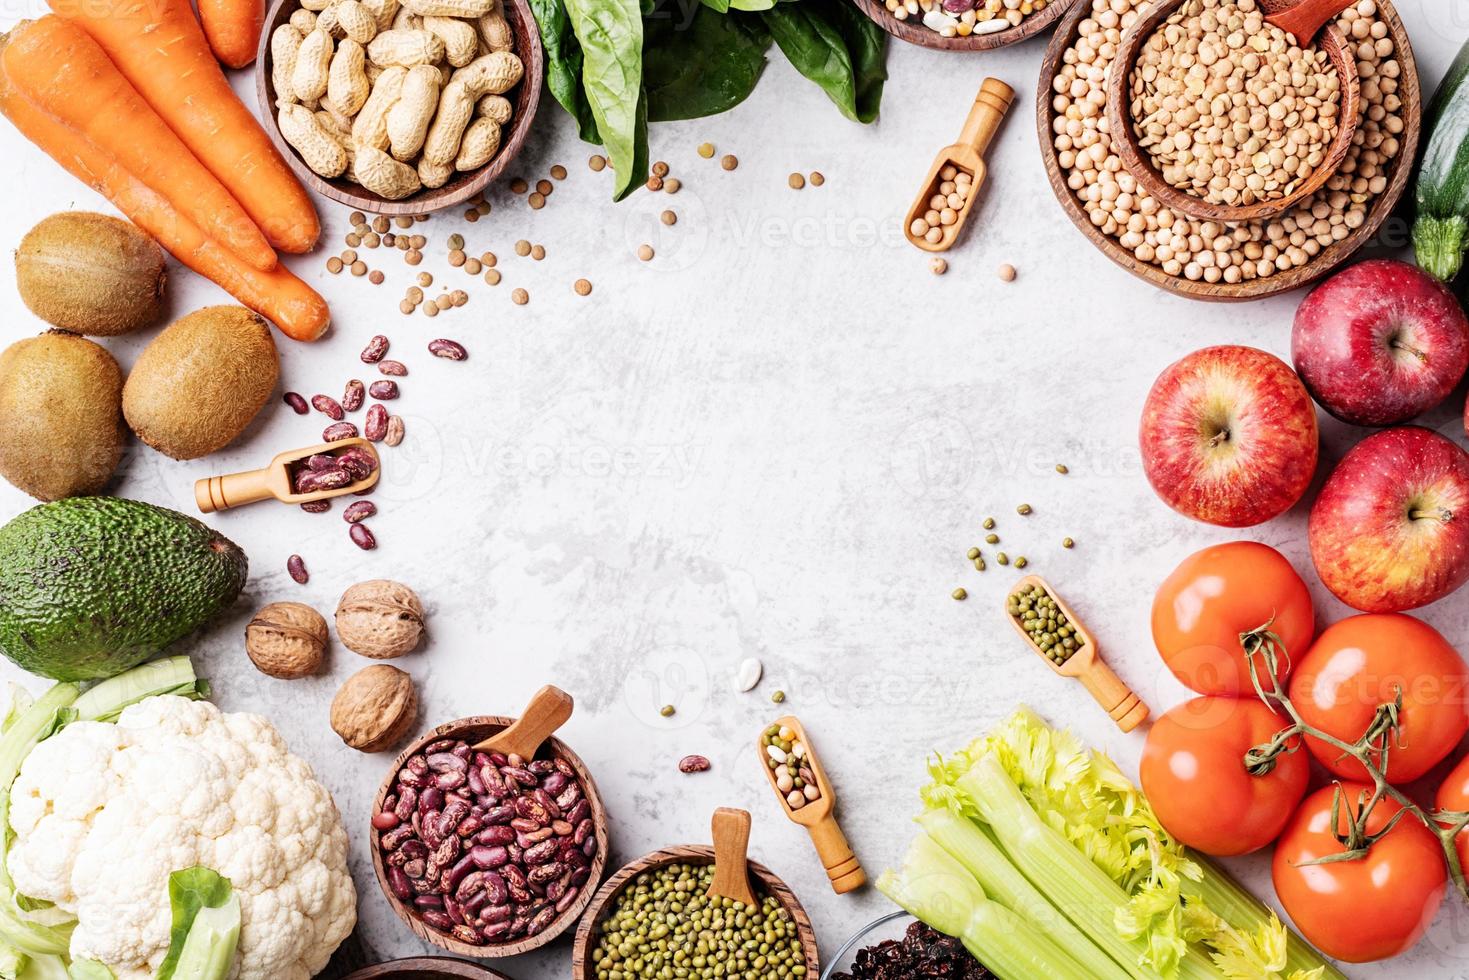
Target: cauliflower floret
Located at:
point(103, 814)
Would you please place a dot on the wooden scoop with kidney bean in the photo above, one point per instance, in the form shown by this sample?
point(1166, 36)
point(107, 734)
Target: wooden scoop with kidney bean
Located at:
point(813, 804)
point(547, 711)
point(330, 469)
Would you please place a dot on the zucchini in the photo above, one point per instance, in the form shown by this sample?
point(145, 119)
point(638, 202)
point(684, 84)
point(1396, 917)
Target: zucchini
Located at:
point(1441, 226)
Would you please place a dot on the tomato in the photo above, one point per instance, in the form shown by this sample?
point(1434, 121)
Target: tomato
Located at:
point(1363, 910)
point(1193, 774)
point(1217, 594)
point(1453, 795)
point(1362, 662)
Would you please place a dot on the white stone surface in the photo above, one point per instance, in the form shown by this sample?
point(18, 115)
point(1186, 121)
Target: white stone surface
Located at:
point(776, 439)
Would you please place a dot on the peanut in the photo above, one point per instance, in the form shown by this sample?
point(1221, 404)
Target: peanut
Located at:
point(406, 20)
point(495, 31)
point(383, 175)
point(370, 128)
point(383, 12)
point(323, 154)
point(373, 72)
point(316, 5)
point(328, 22)
point(449, 8)
point(461, 43)
point(309, 73)
point(357, 22)
point(492, 74)
point(303, 21)
point(338, 126)
point(495, 107)
point(285, 44)
point(405, 47)
point(408, 120)
point(433, 174)
point(347, 87)
point(480, 142)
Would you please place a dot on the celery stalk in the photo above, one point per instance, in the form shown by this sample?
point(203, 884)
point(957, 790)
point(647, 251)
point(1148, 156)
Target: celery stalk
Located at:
point(170, 675)
point(982, 857)
point(1056, 867)
point(934, 887)
point(1228, 899)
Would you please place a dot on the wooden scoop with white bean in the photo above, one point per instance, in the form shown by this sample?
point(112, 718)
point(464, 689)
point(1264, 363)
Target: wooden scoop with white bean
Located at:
point(807, 797)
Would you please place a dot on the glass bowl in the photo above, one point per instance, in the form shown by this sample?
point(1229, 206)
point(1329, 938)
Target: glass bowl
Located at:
point(890, 926)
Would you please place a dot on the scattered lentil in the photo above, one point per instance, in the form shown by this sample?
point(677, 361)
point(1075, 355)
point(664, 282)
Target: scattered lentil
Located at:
point(519, 297)
point(706, 150)
point(669, 218)
point(522, 248)
point(972, 554)
point(655, 183)
point(492, 277)
point(1007, 271)
point(660, 169)
point(558, 171)
point(672, 185)
point(538, 252)
point(376, 277)
point(645, 252)
point(518, 185)
point(817, 178)
point(938, 266)
point(991, 538)
point(1068, 543)
point(537, 200)
point(582, 287)
point(729, 161)
point(334, 265)
point(597, 162)
point(796, 181)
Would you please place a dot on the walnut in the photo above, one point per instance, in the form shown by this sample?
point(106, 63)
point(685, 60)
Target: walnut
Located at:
point(380, 619)
point(375, 708)
point(286, 640)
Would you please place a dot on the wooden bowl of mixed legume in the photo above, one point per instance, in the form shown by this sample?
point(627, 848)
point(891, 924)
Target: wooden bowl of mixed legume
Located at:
point(636, 906)
point(964, 25)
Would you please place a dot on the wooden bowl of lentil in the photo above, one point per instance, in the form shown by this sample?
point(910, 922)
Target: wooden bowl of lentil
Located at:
point(589, 933)
point(914, 31)
point(473, 730)
point(1138, 162)
point(1350, 223)
point(525, 97)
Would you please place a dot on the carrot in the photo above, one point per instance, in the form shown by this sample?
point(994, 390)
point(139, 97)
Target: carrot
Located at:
point(158, 46)
point(233, 29)
point(276, 295)
point(55, 66)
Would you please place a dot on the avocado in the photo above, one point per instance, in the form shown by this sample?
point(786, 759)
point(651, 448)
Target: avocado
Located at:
point(91, 586)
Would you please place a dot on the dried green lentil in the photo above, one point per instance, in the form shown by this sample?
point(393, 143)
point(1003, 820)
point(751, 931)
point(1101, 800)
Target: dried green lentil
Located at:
point(1067, 543)
point(960, 595)
point(989, 523)
point(1002, 558)
point(972, 554)
point(1023, 510)
point(991, 539)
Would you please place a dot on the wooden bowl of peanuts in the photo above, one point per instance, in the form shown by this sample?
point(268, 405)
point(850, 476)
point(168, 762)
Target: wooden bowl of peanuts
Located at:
point(964, 25)
point(399, 108)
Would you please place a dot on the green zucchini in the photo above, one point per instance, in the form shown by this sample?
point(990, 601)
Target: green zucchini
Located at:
point(1441, 226)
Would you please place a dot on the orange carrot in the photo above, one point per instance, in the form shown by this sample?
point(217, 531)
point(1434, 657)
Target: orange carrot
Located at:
point(276, 295)
point(233, 29)
point(158, 46)
point(55, 66)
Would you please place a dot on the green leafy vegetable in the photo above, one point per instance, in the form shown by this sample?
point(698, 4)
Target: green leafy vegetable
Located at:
point(832, 44)
point(89, 970)
point(564, 65)
point(169, 675)
point(611, 36)
point(704, 67)
point(206, 926)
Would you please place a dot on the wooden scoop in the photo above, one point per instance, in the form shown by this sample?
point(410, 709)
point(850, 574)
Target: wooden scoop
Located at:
point(1307, 17)
point(819, 818)
point(547, 711)
point(1085, 664)
point(731, 856)
point(236, 489)
point(990, 106)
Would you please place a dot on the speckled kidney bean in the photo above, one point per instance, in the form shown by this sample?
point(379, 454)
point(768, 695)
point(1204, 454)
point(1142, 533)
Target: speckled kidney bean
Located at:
point(375, 349)
point(297, 403)
point(296, 568)
point(393, 369)
point(376, 426)
point(450, 349)
point(362, 537)
point(353, 395)
point(359, 511)
point(398, 882)
point(338, 431)
point(488, 840)
point(383, 391)
point(328, 406)
point(394, 435)
point(314, 481)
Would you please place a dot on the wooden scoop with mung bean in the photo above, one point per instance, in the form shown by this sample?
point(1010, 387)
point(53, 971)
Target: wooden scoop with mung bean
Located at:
point(1051, 629)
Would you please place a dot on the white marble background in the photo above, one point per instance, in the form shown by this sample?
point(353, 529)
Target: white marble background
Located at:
point(775, 440)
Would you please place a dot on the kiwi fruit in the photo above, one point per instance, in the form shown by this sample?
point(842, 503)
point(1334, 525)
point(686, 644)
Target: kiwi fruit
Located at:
point(61, 431)
point(90, 274)
point(201, 381)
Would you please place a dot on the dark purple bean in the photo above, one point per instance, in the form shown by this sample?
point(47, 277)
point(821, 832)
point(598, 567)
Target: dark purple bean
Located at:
point(568, 900)
point(362, 537)
point(449, 780)
point(468, 935)
point(544, 799)
point(590, 847)
point(395, 369)
point(584, 831)
point(450, 349)
point(383, 391)
point(476, 782)
point(458, 873)
point(394, 839)
point(338, 431)
point(432, 799)
point(438, 920)
point(469, 826)
point(557, 888)
point(502, 814)
point(414, 850)
point(580, 876)
point(321, 461)
point(495, 888)
point(569, 797)
point(449, 820)
point(542, 919)
point(297, 403)
point(489, 857)
point(497, 932)
point(578, 813)
point(424, 902)
point(416, 869)
point(455, 911)
point(296, 568)
point(376, 426)
point(328, 406)
point(542, 852)
point(474, 904)
point(398, 882)
point(385, 820)
point(499, 834)
point(316, 506)
point(498, 759)
point(554, 783)
point(375, 349)
point(469, 884)
point(546, 873)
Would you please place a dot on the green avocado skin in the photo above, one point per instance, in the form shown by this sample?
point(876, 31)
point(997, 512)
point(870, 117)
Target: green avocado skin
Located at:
point(91, 586)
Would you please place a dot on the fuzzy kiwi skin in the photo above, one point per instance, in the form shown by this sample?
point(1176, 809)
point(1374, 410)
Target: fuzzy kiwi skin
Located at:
point(61, 431)
point(201, 381)
point(91, 274)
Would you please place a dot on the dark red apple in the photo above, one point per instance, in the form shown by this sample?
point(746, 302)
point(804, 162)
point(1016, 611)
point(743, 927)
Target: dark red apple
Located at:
point(1380, 342)
point(1390, 530)
point(1229, 436)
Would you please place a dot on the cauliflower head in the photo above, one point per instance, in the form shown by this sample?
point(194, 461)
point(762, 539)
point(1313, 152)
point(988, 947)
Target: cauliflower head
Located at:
point(103, 813)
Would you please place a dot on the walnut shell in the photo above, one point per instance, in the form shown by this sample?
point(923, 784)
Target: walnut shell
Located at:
point(375, 708)
point(286, 640)
point(380, 619)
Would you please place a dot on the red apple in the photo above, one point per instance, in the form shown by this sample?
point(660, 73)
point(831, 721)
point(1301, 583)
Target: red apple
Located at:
point(1229, 436)
point(1390, 530)
point(1380, 342)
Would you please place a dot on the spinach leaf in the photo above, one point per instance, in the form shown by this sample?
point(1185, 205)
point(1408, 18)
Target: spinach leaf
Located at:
point(564, 64)
point(825, 42)
point(701, 68)
point(611, 37)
